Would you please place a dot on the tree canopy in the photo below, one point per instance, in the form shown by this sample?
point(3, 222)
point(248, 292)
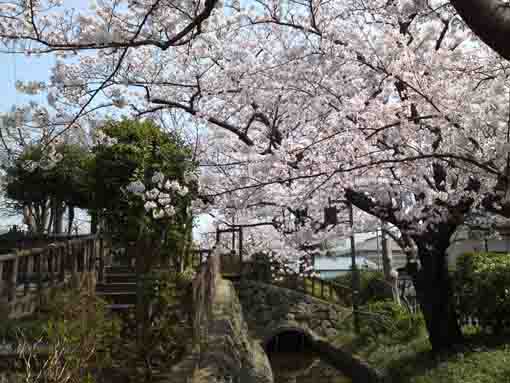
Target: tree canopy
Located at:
point(37, 179)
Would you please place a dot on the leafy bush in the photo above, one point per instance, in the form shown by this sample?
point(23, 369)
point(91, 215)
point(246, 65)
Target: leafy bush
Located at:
point(373, 287)
point(482, 286)
point(32, 328)
point(170, 327)
point(186, 277)
point(79, 336)
point(388, 320)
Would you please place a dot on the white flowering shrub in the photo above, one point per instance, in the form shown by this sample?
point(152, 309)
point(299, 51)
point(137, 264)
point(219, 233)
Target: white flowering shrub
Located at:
point(160, 200)
point(104, 139)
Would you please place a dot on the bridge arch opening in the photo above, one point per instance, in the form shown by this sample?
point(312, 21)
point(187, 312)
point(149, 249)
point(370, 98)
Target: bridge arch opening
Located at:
point(291, 354)
point(289, 341)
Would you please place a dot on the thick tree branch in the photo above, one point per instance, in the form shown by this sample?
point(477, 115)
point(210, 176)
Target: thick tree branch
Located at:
point(490, 20)
point(176, 40)
point(213, 120)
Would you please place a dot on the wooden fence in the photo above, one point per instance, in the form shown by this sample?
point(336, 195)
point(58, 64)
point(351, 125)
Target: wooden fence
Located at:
point(37, 268)
point(318, 288)
point(259, 271)
point(198, 258)
point(11, 242)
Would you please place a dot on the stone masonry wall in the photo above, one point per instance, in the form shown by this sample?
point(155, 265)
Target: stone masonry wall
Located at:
point(270, 309)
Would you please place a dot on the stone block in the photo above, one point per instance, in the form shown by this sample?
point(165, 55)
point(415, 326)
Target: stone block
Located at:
point(323, 315)
point(334, 315)
point(331, 333)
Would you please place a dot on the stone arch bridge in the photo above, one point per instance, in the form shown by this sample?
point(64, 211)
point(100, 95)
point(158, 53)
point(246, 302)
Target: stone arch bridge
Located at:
point(242, 321)
point(270, 310)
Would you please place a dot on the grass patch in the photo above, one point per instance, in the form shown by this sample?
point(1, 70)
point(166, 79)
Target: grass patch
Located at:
point(32, 327)
point(483, 359)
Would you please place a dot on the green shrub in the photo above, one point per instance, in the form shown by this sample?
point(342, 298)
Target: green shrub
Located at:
point(186, 277)
point(373, 287)
point(32, 328)
point(482, 286)
point(389, 321)
point(169, 333)
point(81, 337)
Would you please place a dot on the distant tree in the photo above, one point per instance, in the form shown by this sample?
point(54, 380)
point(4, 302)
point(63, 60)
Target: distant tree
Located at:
point(43, 180)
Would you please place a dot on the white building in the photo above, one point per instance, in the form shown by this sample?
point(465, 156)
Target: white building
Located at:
point(337, 259)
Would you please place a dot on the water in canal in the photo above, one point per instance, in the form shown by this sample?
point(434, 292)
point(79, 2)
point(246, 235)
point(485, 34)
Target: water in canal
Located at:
point(293, 361)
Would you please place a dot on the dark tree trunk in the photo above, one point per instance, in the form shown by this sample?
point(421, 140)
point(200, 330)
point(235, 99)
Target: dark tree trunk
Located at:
point(432, 282)
point(59, 210)
point(52, 217)
point(435, 295)
point(93, 221)
point(489, 19)
point(70, 220)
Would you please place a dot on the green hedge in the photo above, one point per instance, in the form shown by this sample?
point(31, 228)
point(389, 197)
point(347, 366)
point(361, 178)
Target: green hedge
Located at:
point(482, 287)
point(372, 286)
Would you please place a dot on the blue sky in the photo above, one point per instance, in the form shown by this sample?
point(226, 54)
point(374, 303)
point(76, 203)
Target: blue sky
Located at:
point(20, 67)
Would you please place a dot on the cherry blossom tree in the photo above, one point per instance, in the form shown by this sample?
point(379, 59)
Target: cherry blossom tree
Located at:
point(391, 143)
point(396, 107)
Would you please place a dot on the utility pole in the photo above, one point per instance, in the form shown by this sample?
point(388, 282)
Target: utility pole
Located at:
point(386, 252)
point(331, 218)
point(355, 273)
point(389, 273)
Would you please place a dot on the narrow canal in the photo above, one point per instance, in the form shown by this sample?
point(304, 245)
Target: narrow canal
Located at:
point(294, 361)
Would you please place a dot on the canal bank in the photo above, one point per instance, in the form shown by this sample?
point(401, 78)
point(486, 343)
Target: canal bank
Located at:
point(294, 360)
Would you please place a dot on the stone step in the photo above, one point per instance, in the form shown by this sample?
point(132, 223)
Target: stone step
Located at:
point(115, 287)
point(119, 270)
point(120, 278)
point(118, 308)
point(162, 377)
point(234, 277)
point(118, 297)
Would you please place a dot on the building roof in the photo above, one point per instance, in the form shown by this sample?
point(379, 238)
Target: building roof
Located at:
point(341, 263)
point(374, 244)
point(369, 245)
